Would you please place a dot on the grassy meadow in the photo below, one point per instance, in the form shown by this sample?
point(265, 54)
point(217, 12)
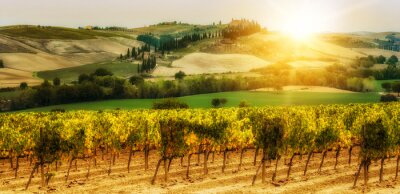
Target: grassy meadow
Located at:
point(257, 99)
point(55, 33)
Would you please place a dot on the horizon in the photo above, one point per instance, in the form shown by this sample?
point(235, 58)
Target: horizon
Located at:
point(328, 16)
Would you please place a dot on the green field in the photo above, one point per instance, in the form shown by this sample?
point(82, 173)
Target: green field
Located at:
point(234, 98)
point(67, 75)
point(55, 33)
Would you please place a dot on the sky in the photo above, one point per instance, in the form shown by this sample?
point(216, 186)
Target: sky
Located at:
point(320, 15)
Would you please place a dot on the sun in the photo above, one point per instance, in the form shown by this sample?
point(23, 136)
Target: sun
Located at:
point(303, 23)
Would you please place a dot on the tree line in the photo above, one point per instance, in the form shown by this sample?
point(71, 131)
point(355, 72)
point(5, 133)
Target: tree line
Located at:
point(102, 85)
point(363, 67)
point(169, 42)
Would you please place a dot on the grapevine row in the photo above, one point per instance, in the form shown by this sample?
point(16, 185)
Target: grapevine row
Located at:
point(47, 138)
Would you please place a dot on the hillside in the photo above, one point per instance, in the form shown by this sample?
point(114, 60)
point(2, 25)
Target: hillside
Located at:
point(50, 32)
point(26, 50)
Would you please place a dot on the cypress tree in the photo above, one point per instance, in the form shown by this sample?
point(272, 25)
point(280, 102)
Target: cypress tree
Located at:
point(128, 53)
point(144, 66)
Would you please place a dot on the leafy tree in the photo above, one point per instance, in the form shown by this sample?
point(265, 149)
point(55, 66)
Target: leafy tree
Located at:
point(56, 81)
point(118, 89)
point(67, 94)
point(46, 83)
point(23, 85)
point(180, 75)
point(393, 60)
point(44, 94)
point(83, 77)
point(217, 102)
point(387, 86)
point(244, 104)
point(389, 98)
point(136, 80)
point(102, 72)
point(380, 59)
point(90, 91)
point(170, 104)
point(396, 88)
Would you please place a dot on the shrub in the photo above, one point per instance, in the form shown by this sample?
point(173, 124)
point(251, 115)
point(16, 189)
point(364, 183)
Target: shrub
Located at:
point(393, 60)
point(217, 102)
point(170, 103)
point(102, 72)
point(243, 104)
point(83, 77)
point(396, 88)
point(180, 75)
point(56, 81)
point(136, 80)
point(387, 86)
point(388, 98)
point(23, 85)
point(380, 59)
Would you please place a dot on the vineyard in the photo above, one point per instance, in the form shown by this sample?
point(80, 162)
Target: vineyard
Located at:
point(192, 141)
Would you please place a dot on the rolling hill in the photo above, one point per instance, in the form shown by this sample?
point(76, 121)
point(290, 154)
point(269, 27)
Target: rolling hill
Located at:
point(27, 50)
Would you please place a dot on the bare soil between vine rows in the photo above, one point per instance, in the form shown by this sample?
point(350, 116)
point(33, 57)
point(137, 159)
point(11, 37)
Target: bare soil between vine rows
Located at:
point(231, 181)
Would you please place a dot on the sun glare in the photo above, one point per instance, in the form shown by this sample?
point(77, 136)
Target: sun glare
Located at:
point(303, 23)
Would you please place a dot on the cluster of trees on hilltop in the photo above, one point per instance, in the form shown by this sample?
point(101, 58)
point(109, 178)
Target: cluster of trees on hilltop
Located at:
point(171, 42)
point(149, 39)
point(109, 28)
point(363, 67)
point(168, 43)
point(367, 62)
point(391, 43)
point(241, 27)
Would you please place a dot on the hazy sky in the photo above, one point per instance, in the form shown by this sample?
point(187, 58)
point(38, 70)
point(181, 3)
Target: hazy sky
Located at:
point(327, 15)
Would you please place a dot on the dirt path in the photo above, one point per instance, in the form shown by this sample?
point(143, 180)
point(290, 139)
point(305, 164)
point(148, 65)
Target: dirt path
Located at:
point(231, 181)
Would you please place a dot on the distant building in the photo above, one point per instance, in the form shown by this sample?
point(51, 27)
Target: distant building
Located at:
point(235, 23)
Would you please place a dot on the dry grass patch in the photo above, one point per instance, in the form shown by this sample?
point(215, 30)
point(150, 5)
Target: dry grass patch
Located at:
point(201, 63)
